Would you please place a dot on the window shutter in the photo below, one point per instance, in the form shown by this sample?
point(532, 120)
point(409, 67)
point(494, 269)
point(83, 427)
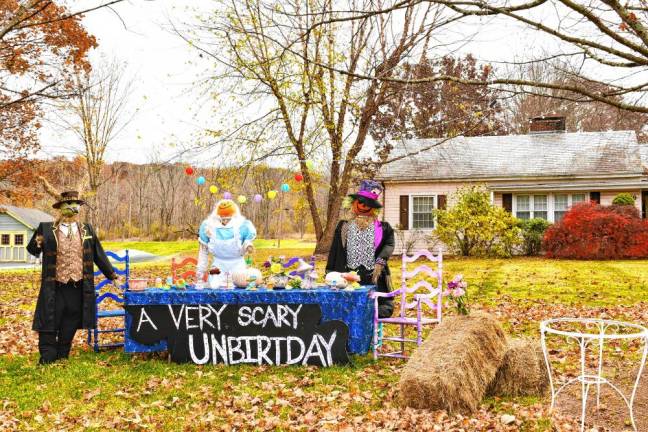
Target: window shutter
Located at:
point(596, 197)
point(507, 202)
point(442, 202)
point(404, 212)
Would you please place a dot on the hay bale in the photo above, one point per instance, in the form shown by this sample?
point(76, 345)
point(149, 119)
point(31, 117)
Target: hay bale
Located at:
point(523, 371)
point(455, 365)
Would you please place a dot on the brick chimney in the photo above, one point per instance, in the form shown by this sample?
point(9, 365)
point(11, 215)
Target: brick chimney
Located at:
point(546, 125)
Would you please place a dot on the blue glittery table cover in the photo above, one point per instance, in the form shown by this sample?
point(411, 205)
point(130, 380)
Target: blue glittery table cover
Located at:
point(355, 308)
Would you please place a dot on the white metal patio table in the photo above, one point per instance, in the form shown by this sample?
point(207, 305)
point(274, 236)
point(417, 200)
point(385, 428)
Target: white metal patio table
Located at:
point(586, 331)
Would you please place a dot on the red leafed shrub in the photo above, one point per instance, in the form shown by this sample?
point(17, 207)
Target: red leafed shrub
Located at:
point(592, 231)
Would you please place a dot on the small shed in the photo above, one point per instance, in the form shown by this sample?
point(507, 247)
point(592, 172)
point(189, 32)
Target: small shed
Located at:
point(17, 225)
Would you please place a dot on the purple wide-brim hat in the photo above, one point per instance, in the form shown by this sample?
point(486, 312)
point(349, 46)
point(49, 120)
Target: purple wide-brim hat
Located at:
point(369, 193)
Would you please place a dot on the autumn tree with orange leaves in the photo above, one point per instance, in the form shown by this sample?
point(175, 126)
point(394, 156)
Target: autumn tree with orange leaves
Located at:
point(42, 44)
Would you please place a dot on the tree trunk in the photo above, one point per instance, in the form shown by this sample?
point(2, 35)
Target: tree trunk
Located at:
point(324, 242)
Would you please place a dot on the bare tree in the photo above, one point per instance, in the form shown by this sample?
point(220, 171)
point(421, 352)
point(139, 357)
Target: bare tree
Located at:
point(605, 41)
point(97, 114)
point(580, 116)
point(270, 59)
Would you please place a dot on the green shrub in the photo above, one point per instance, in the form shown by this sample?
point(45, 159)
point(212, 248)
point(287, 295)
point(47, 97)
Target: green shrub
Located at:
point(623, 198)
point(532, 234)
point(472, 226)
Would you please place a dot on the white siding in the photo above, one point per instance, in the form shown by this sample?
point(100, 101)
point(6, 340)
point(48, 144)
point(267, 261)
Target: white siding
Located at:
point(8, 223)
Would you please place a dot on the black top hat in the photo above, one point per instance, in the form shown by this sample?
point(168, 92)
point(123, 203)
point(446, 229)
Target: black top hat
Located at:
point(68, 197)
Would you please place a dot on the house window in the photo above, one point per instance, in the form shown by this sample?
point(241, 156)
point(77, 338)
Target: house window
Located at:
point(577, 198)
point(5, 240)
point(19, 239)
point(540, 206)
point(523, 207)
point(423, 211)
point(531, 206)
point(563, 202)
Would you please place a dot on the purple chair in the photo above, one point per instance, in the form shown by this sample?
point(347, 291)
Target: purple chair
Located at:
point(410, 298)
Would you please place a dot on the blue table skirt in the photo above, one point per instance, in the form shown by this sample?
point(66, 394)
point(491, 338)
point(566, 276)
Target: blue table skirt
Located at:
point(355, 308)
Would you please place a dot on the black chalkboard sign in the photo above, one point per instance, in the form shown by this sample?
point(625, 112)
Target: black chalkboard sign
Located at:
point(269, 334)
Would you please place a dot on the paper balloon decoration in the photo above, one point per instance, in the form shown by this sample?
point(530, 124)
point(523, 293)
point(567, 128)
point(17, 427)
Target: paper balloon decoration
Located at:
point(272, 194)
point(200, 180)
point(213, 189)
point(227, 195)
point(285, 187)
point(189, 170)
point(258, 198)
point(299, 177)
point(309, 164)
point(242, 199)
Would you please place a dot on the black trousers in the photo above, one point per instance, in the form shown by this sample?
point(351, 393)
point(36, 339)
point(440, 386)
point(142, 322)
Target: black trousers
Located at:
point(385, 305)
point(55, 345)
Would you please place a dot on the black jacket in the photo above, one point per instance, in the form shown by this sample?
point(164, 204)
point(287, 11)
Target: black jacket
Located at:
point(93, 253)
point(337, 259)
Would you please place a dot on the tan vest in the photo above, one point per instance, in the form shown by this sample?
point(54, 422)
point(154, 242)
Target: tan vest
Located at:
point(69, 256)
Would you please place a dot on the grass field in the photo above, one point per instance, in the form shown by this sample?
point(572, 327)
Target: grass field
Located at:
point(113, 391)
point(191, 246)
point(595, 283)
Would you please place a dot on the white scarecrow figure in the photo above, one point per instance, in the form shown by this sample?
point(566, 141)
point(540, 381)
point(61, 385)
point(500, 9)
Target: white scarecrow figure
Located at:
point(227, 236)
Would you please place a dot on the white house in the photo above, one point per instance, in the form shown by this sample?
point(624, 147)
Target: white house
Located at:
point(17, 225)
point(541, 174)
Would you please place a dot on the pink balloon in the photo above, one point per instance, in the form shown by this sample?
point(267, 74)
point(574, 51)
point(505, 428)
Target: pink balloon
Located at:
point(258, 198)
point(227, 195)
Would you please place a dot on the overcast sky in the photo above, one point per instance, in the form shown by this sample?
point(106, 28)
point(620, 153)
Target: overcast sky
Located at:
point(159, 61)
point(165, 69)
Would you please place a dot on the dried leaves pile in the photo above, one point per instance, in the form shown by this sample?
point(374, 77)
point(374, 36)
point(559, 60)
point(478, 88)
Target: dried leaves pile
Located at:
point(172, 397)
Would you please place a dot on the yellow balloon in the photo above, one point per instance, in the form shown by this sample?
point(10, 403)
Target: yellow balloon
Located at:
point(242, 199)
point(309, 164)
point(272, 194)
point(213, 189)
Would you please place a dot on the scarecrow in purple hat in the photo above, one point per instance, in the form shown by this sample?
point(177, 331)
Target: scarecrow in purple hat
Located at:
point(364, 243)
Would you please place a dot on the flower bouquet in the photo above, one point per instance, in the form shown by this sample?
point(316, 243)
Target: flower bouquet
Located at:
point(295, 283)
point(456, 292)
point(277, 277)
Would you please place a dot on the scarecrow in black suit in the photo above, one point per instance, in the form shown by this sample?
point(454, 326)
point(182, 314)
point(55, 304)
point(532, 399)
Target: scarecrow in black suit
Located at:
point(364, 244)
point(66, 301)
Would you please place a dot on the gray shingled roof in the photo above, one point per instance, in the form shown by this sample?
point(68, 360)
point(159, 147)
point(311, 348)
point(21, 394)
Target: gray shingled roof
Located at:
point(30, 216)
point(510, 156)
point(643, 153)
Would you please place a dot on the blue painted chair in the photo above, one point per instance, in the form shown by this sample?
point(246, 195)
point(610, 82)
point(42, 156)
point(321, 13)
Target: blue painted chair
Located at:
point(94, 334)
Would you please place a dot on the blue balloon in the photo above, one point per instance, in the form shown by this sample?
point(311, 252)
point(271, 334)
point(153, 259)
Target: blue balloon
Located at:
point(200, 180)
point(285, 187)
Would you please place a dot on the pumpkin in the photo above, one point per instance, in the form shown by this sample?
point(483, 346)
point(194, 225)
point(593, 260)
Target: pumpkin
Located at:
point(242, 278)
point(226, 208)
point(351, 277)
point(335, 280)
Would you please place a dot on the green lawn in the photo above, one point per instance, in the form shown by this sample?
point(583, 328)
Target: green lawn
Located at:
point(115, 391)
point(591, 283)
point(191, 246)
point(595, 283)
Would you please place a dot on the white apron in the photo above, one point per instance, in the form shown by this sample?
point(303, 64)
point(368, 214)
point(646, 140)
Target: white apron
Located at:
point(227, 258)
